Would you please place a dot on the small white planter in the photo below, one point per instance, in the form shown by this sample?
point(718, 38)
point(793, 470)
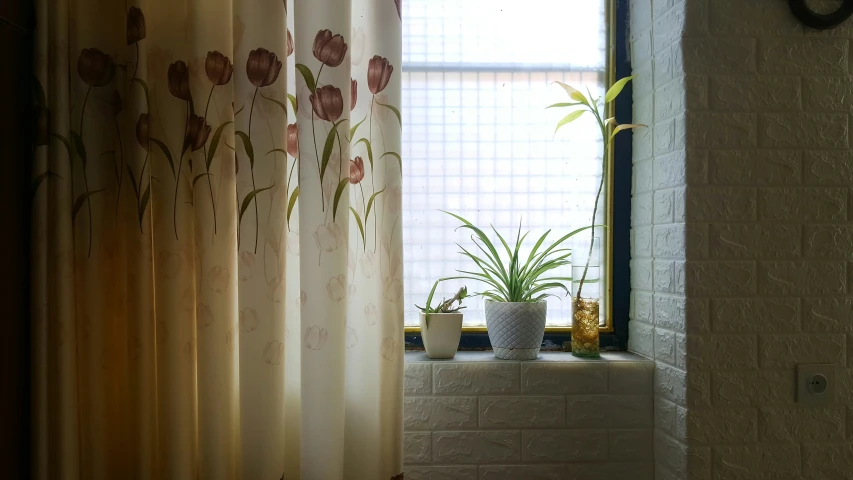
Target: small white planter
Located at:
point(516, 329)
point(441, 339)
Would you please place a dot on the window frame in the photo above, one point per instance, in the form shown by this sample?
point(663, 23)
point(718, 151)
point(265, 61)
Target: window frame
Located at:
point(614, 334)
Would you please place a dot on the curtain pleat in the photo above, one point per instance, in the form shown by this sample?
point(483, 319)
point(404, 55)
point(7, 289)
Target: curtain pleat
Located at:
point(217, 259)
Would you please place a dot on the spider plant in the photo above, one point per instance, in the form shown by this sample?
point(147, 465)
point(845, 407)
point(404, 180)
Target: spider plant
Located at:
point(512, 280)
point(609, 128)
point(446, 305)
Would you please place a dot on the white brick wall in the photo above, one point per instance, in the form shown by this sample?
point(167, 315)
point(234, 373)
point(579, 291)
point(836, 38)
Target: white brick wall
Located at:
point(558, 418)
point(752, 276)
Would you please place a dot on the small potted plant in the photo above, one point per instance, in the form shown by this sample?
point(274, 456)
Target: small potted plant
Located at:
point(586, 302)
point(515, 303)
point(441, 327)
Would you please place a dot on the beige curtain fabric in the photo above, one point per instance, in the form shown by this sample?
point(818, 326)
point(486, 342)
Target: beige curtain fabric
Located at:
point(217, 235)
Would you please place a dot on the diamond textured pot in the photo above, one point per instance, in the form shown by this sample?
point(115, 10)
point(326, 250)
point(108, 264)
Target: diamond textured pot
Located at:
point(441, 337)
point(516, 329)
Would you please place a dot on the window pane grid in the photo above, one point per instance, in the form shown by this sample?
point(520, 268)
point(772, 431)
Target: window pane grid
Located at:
point(478, 140)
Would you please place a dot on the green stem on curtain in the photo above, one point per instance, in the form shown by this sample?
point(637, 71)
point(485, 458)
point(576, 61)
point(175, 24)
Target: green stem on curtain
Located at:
point(85, 177)
point(206, 169)
point(252, 171)
point(135, 68)
point(120, 168)
point(316, 152)
point(178, 174)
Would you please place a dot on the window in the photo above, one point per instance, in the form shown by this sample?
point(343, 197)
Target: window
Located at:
point(478, 141)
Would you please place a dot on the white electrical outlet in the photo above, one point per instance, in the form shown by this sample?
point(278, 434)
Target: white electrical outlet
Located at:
point(815, 384)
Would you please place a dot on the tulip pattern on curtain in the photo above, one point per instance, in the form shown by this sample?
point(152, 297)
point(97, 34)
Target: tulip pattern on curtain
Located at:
point(217, 268)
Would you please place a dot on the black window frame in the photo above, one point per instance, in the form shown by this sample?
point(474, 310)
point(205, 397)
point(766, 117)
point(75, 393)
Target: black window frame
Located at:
point(617, 339)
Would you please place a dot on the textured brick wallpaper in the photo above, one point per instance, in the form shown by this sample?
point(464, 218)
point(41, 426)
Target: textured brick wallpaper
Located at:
point(558, 418)
point(742, 236)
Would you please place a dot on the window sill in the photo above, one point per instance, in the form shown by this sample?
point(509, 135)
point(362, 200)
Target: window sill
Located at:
point(544, 357)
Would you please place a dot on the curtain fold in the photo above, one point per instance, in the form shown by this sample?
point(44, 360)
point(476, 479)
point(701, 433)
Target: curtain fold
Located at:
point(217, 271)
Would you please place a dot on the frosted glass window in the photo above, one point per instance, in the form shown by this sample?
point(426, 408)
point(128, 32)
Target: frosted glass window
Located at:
point(478, 141)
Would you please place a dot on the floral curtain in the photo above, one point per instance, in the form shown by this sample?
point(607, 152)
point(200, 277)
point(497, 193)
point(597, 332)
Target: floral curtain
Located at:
point(217, 240)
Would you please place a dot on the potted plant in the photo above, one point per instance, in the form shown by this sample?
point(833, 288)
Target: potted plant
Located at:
point(586, 303)
point(441, 327)
point(515, 302)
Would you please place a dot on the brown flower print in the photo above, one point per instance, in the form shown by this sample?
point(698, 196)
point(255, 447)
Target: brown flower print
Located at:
point(218, 279)
point(328, 237)
point(399, 5)
point(197, 132)
point(246, 266)
point(328, 103)
point(289, 43)
point(368, 264)
point(142, 130)
point(352, 338)
point(95, 67)
point(249, 320)
point(329, 49)
point(371, 314)
point(301, 300)
point(293, 140)
point(293, 242)
point(135, 25)
point(336, 287)
point(389, 348)
point(262, 67)
point(353, 94)
point(169, 264)
point(379, 72)
point(179, 81)
point(204, 315)
point(315, 337)
point(116, 104)
point(356, 170)
point(273, 352)
point(218, 68)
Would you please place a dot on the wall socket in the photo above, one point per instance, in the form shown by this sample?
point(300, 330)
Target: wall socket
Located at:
point(815, 384)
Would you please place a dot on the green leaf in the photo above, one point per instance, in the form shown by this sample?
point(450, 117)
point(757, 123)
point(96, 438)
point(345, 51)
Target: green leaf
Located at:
point(366, 143)
point(41, 178)
point(338, 192)
point(141, 84)
point(308, 76)
point(198, 177)
point(81, 200)
point(616, 89)
point(568, 88)
point(283, 107)
point(291, 203)
point(328, 147)
point(293, 103)
point(393, 109)
point(563, 104)
point(569, 119)
point(214, 144)
point(353, 129)
point(79, 146)
point(166, 152)
point(360, 226)
point(278, 150)
point(624, 126)
point(393, 154)
point(133, 181)
point(64, 142)
point(247, 147)
point(248, 200)
point(370, 204)
point(143, 204)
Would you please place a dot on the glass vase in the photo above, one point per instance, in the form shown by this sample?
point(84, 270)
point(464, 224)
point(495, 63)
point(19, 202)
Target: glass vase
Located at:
point(586, 297)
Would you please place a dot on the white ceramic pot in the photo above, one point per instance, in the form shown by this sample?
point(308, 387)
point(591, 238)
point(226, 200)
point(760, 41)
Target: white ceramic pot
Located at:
point(516, 329)
point(441, 338)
